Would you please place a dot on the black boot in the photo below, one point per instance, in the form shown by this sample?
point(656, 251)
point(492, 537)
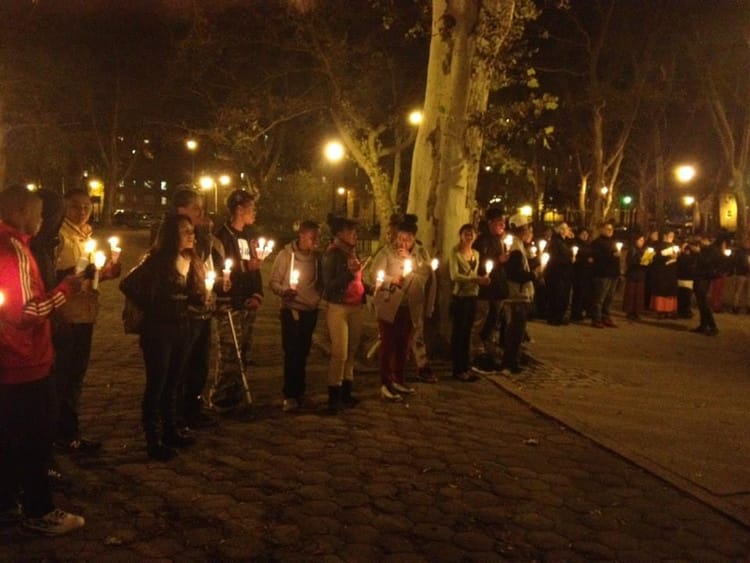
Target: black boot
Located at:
point(334, 399)
point(157, 450)
point(347, 399)
point(173, 438)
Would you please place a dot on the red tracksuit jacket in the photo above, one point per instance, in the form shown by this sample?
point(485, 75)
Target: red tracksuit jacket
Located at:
point(25, 334)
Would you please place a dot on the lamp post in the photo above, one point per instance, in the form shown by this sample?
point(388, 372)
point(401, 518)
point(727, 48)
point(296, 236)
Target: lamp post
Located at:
point(206, 183)
point(334, 152)
point(192, 146)
point(684, 174)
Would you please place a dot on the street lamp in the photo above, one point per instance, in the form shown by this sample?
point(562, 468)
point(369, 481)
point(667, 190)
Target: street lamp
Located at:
point(206, 183)
point(415, 117)
point(333, 151)
point(684, 173)
point(192, 146)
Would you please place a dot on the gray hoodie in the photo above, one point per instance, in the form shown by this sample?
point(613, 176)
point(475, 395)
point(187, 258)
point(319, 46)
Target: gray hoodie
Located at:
point(309, 285)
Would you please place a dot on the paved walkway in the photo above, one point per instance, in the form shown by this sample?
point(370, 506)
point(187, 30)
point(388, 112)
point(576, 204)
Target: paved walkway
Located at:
point(460, 472)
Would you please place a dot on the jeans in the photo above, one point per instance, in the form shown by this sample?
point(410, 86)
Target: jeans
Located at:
point(463, 310)
point(297, 329)
point(72, 351)
point(394, 346)
point(26, 432)
point(604, 289)
point(345, 330)
point(165, 354)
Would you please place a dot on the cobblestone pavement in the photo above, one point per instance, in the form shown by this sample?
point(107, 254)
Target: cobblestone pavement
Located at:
point(459, 472)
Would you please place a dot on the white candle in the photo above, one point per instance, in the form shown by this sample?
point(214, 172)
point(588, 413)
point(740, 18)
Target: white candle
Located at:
point(575, 251)
point(379, 279)
point(407, 267)
point(488, 266)
point(89, 248)
point(618, 246)
point(226, 274)
point(99, 260)
point(294, 279)
point(533, 250)
point(210, 280)
point(544, 259)
point(114, 248)
point(542, 245)
point(435, 263)
point(728, 252)
point(508, 240)
point(261, 244)
point(291, 268)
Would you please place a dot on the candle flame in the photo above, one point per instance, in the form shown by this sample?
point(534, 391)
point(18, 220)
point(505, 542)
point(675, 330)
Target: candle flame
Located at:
point(542, 245)
point(114, 242)
point(575, 250)
point(228, 265)
point(2, 298)
point(380, 277)
point(90, 246)
point(435, 263)
point(488, 266)
point(407, 267)
point(99, 259)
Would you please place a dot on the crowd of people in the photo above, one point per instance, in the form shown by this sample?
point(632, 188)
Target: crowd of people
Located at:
point(196, 279)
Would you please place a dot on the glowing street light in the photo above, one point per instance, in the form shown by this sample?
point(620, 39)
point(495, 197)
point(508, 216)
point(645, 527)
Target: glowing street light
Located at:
point(225, 180)
point(415, 117)
point(526, 211)
point(192, 146)
point(684, 173)
point(604, 190)
point(206, 183)
point(333, 151)
point(688, 200)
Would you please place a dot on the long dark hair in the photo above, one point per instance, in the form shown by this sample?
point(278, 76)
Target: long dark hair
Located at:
point(166, 247)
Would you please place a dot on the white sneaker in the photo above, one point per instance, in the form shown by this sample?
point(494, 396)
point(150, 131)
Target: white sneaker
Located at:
point(403, 388)
point(55, 523)
point(289, 405)
point(388, 394)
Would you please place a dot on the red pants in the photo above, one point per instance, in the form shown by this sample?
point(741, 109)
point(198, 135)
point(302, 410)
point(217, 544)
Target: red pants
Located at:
point(394, 346)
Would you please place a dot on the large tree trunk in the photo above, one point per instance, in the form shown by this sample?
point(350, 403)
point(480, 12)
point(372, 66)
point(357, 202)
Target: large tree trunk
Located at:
point(449, 142)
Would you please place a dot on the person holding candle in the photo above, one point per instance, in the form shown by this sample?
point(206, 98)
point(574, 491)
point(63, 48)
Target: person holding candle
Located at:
point(74, 328)
point(243, 295)
point(580, 301)
point(605, 272)
point(463, 265)
point(516, 306)
point(635, 278)
point(707, 268)
point(27, 391)
point(296, 279)
point(664, 277)
point(493, 246)
point(344, 293)
point(190, 403)
point(558, 274)
point(166, 285)
point(406, 270)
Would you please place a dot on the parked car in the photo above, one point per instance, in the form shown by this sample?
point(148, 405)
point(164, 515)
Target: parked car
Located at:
point(133, 219)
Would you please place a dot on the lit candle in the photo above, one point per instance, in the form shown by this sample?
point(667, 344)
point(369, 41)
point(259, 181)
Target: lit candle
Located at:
point(544, 259)
point(2, 298)
point(575, 251)
point(210, 280)
point(379, 279)
point(508, 240)
point(618, 246)
point(226, 274)
point(291, 267)
point(650, 250)
point(114, 248)
point(488, 265)
point(294, 279)
point(676, 249)
point(99, 260)
point(88, 248)
point(533, 250)
point(261, 244)
point(435, 263)
point(407, 267)
point(542, 245)
point(728, 252)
